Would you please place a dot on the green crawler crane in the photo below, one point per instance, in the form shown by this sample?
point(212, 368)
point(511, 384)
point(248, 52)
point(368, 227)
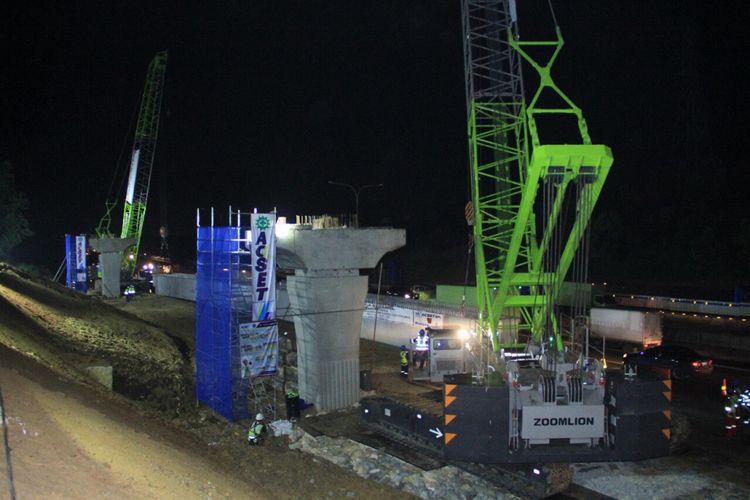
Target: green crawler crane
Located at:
point(526, 240)
point(141, 165)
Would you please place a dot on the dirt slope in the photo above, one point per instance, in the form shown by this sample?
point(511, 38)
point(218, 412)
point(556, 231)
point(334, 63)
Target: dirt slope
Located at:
point(69, 331)
point(74, 439)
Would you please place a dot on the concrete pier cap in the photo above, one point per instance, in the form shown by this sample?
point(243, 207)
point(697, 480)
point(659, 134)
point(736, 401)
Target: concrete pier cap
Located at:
point(327, 296)
point(110, 259)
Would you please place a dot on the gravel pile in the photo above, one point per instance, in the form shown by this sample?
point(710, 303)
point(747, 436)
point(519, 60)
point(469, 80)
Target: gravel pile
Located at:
point(447, 482)
point(655, 479)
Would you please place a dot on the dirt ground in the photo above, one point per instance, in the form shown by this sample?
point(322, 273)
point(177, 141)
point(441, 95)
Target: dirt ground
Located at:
point(69, 442)
point(70, 438)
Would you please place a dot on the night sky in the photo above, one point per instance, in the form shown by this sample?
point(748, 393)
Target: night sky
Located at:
point(265, 102)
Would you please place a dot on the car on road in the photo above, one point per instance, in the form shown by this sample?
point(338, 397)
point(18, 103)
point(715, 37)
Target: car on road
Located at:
point(682, 361)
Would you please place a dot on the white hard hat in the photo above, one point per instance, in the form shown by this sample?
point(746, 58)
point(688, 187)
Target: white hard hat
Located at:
point(259, 416)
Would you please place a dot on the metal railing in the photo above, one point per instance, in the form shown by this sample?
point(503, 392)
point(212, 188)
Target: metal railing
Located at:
point(699, 306)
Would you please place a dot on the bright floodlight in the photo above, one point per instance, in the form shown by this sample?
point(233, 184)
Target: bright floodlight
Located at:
point(282, 228)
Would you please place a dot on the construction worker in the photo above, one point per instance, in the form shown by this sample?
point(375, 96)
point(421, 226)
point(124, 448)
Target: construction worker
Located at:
point(731, 407)
point(404, 361)
point(744, 409)
point(257, 428)
point(129, 292)
point(421, 347)
point(738, 398)
point(246, 368)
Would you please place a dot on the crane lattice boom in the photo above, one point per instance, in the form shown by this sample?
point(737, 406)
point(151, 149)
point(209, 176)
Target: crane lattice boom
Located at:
point(526, 240)
point(142, 159)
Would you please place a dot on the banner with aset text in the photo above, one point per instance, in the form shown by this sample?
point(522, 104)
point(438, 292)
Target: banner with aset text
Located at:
point(75, 259)
point(263, 249)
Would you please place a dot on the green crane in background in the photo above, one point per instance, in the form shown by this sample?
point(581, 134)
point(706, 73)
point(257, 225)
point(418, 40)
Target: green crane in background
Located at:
point(141, 165)
point(532, 201)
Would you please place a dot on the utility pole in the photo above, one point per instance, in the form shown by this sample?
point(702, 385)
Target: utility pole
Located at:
point(356, 192)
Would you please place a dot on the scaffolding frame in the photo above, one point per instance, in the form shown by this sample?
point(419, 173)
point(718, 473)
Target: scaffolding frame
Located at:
point(223, 303)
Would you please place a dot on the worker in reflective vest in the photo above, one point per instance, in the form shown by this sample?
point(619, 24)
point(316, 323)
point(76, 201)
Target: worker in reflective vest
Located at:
point(736, 407)
point(254, 434)
point(744, 402)
point(744, 409)
point(731, 415)
point(246, 368)
point(404, 361)
point(422, 346)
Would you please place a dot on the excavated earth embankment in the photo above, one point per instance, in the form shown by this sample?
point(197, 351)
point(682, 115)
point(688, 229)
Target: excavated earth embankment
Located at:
point(71, 332)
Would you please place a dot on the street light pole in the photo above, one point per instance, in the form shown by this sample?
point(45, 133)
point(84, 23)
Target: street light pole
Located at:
point(356, 192)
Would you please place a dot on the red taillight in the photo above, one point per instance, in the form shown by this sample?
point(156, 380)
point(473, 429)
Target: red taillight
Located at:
point(696, 364)
point(710, 362)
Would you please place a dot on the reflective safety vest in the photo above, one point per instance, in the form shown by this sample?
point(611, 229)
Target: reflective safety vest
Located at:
point(422, 342)
point(734, 401)
point(255, 431)
point(404, 358)
point(744, 406)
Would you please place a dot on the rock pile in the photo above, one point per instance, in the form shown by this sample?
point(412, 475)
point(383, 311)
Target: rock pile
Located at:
point(369, 463)
point(288, 363)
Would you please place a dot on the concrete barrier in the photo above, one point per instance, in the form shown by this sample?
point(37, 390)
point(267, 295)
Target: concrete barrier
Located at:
point(399, 320)
point(182, 286)
point(178, 285)
point(698, 306)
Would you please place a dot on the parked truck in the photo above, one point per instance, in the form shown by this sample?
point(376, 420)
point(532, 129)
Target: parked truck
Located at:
point(629, 327)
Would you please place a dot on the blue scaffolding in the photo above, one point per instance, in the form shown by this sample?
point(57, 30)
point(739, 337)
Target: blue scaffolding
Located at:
point(218, 382)
point(224, 303)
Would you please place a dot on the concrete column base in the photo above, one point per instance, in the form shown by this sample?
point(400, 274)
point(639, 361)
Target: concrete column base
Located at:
point(111, 265)
point(328, 309)
point(110, 259)
point(327, 296)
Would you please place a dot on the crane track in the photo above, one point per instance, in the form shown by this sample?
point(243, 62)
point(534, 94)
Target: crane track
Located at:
point(516, 479)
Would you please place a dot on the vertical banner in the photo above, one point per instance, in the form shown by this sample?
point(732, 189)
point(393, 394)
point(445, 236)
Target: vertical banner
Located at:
point(75, 261)
point(70, 262)
point(263, 248)
point(259, 347)
point(81, 281)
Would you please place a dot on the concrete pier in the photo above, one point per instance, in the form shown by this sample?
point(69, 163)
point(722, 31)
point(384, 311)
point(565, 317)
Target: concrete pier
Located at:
point(110, 259)
point(327, 295)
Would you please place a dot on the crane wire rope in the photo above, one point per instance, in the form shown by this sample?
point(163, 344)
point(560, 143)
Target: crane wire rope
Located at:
point(547, 264)
point(587, 249)
point(558, 233)
point(552, 12)
point(580, 252)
